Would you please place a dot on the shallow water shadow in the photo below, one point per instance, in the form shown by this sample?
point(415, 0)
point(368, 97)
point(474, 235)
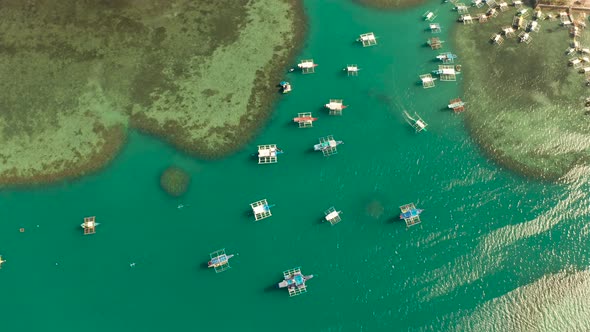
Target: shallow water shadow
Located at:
point(291, 124)
point(310, 151)
point(254, 156)
point(271, 288)
point(248, 213)
point(279, 89)
point(204, 266)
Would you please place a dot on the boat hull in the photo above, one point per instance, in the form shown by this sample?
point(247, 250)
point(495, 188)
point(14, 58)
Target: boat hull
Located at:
point(219, 261)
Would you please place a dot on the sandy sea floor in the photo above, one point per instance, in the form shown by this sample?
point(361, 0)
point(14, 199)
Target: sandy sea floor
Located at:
point(78, 75)
point(526, 105)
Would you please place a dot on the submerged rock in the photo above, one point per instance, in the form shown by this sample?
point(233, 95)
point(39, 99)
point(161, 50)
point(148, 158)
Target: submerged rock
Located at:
point(175, 181)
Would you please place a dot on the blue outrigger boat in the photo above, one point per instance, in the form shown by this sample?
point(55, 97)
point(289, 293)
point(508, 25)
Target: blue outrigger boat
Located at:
point(447, 57)
point(294, 281)
point(411, 213)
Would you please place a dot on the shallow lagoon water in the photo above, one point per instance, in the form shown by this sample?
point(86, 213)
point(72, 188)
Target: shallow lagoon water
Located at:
point(487, 235)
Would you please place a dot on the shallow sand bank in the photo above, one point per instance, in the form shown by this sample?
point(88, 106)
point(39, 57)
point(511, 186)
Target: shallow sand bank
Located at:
point(525, 104)
point(76, 76)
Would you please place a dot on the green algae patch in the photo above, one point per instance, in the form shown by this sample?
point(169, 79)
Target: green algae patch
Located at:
point(229, 89)
point(525, 104)
point(175, 181)
point(77, 75)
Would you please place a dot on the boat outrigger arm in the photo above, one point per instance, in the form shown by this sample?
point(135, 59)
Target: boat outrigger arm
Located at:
point(296, 280)
point(219, 260)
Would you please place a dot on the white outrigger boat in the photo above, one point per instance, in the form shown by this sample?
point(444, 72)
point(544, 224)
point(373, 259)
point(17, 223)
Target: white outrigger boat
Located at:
point(415, 121)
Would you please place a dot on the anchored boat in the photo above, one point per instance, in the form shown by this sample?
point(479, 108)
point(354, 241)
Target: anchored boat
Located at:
point(410, 214)
point(219, 260)
point(447, 57)
point(285, 86)
point(89, 225)
point(294, 281)
point(415, 121)
point(457, 105)
point(328, 145)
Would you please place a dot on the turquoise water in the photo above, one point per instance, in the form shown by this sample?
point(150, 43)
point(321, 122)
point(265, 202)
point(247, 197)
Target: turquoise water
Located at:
point(491, 243)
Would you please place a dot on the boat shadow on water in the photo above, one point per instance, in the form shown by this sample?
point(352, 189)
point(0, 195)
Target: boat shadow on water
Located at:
point(394, 220)
point(271, 288)
point(248, 213)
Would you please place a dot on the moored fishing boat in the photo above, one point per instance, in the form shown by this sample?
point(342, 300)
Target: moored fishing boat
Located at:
point(294, 281)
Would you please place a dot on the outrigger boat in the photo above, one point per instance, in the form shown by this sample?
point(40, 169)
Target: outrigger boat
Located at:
point(285, 86)
point(446, 57)
point(456, 103)
point(327, 144)
point(300, 119)
point(294, 281)
point(219, 261)
point(89, 225)
point(268, 154)
point(410, 214)
point(416, 122)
